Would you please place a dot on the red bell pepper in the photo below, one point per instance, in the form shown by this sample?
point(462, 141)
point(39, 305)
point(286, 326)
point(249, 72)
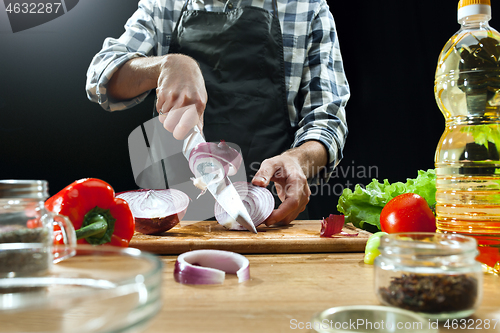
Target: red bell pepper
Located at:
point(98, 217)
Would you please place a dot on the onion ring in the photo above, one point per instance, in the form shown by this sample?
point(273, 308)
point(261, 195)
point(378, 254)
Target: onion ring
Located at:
point(210, 267)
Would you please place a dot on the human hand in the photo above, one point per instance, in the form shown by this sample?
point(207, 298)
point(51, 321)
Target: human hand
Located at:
point(181, 95)
point(291, 185)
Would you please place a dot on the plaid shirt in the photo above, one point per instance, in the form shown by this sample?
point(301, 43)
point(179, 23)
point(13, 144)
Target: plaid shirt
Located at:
point(317, 90)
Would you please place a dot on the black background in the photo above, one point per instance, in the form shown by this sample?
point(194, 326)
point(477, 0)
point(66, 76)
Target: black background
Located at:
point(49, 130)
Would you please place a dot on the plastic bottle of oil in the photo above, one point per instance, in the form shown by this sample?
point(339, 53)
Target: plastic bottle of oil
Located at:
point(467, 90)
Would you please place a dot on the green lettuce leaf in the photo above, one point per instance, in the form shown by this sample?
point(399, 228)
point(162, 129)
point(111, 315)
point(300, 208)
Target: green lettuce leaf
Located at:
point(362, 207)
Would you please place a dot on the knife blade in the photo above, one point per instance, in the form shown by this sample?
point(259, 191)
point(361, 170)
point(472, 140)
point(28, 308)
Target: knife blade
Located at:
point(222, 189)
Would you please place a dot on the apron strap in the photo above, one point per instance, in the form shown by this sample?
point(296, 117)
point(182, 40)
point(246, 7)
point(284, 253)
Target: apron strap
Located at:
point(275, 8)
point(184, 7)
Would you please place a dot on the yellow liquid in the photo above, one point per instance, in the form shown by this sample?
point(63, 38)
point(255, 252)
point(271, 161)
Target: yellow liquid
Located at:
point(468, 191)
point(477, 221)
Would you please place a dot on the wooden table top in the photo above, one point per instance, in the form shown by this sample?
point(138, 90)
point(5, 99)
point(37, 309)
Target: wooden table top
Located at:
point(284, 292)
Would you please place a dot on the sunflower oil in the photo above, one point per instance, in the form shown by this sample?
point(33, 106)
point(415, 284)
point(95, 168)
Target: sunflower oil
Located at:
point(467, 160)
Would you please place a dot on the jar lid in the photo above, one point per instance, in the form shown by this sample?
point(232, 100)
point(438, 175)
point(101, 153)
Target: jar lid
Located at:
point(425, 245)
point(19, 188)
point(474, 7)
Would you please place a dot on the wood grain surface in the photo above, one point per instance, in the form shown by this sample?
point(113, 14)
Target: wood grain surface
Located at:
point(298, 237)
point(283, 294)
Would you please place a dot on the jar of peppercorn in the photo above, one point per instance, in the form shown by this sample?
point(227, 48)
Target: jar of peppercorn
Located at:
point(27, 230)
point(435, 275)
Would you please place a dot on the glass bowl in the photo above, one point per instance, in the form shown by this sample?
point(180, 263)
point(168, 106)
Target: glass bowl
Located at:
point(370, 318)
point(102, 289)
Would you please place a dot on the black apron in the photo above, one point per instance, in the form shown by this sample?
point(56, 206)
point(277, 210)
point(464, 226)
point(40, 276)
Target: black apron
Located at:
point(240, 54)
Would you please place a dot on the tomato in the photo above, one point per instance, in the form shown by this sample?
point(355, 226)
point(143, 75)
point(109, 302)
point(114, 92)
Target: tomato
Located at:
point(408, 212)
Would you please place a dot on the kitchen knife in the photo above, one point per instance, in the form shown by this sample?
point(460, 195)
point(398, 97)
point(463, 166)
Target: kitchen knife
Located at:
point(218, 184)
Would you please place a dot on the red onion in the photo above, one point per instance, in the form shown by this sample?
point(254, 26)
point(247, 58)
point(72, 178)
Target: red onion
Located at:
point(210, 267)
point(229, 158)
point(333, 225)
point(156, 211)
point(258, 201)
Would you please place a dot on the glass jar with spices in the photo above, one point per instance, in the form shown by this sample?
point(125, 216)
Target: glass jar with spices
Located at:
point(27, 230)
point(435, 275)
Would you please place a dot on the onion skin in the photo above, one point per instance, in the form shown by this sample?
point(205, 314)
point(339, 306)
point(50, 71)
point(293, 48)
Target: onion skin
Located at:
point(156, 211)
point(158, 225)
point(210, 267)
point(332, 226)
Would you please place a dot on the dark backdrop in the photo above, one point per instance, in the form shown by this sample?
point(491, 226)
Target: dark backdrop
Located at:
point(49, 130)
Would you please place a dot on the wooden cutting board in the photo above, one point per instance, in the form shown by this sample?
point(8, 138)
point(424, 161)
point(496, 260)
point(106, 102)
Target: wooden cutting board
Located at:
point(298, 237)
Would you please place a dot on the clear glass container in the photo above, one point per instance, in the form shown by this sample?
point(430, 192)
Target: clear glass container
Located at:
point(435, 275)
point(101, 289)
point(370, 318)
point(26, 230)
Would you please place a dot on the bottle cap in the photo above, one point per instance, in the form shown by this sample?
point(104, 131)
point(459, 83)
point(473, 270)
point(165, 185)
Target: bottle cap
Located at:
point(474, 7)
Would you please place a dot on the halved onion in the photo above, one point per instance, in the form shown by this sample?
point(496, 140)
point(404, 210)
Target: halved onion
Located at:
point(156, 211)
point(258, 201)
point(229, 158)
point(210, 267)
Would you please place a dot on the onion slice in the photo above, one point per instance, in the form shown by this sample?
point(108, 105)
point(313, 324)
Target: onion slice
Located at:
point(210, 267)
point(258, 201)
point(229, 158)
point(156, 211)
point(332, 225)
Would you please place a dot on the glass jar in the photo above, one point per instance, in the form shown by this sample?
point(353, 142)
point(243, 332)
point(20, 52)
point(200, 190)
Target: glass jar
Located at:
point(27, 230)
point(435, 275)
